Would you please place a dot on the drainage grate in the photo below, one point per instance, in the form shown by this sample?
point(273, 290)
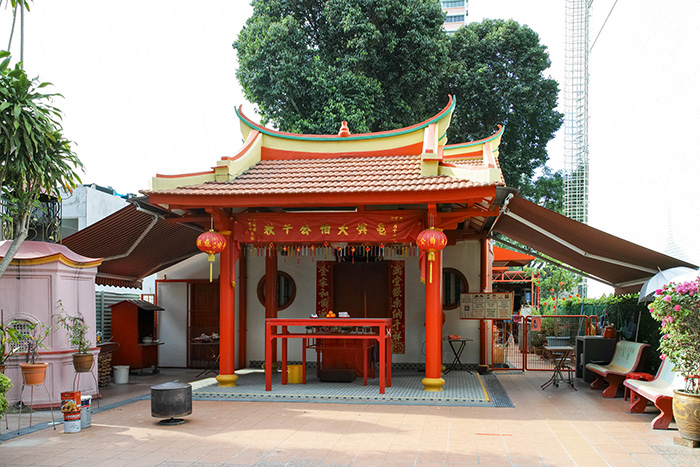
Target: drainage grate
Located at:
point(497, 393)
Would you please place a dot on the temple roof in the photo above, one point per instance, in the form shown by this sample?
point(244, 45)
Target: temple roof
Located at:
point(405, 159)
point(348, 175)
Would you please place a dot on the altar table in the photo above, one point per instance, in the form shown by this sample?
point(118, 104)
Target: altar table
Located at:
point(332, 331)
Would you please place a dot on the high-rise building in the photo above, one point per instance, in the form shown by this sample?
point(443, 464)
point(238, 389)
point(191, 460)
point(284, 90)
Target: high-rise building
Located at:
point(456, 11)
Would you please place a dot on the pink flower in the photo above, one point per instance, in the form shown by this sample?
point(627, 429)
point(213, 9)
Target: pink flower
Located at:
point(667, 298)
point(658, 291)
point(665, 336)
point(677, 308)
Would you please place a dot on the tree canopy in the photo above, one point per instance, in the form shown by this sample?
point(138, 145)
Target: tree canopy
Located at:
point(35, 157)
point(386, 64)
point(496, 72)
point(308, 64)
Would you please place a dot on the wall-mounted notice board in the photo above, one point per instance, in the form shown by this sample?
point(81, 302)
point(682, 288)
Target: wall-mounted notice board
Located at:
point(495, 305)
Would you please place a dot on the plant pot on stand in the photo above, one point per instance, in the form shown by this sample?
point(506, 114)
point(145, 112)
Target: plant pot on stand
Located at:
point(82, 362)
point(33, 374)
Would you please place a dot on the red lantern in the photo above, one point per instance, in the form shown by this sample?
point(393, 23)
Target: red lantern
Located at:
point(431, 240)
point(211, 243)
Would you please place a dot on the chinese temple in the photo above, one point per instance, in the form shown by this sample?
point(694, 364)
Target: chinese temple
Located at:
point(352, 207)
point(394, 225)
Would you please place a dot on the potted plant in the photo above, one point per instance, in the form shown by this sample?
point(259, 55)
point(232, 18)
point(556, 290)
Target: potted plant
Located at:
point(5, 386)
point(9, 341)
point(34, 372)
point(538, 341)
point(77, 336)
point(677, 307)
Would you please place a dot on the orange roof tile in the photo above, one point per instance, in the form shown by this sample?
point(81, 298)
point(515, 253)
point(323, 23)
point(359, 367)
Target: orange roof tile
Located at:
point(343, 174)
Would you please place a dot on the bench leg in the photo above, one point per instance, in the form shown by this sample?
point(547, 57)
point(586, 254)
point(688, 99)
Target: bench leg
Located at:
point(614, 382)
point(638, 403)
point(598, 382)
point(665, 405)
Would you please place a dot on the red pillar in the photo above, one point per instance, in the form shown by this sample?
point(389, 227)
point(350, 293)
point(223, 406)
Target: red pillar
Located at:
point(227, 315)
point(485, 285)
point(433, 325)
point(242, 285)
point(271, 294)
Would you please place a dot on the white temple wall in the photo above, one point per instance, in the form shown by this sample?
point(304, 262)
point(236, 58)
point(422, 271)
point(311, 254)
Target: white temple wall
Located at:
point(172, 296)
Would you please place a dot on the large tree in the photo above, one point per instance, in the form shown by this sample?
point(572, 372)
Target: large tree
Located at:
point(497, 74)
point(384, 64)
point(35, 157)
point(308, 64)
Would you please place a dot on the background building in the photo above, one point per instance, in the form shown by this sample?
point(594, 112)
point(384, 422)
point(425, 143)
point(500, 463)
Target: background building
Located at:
point(457, 12)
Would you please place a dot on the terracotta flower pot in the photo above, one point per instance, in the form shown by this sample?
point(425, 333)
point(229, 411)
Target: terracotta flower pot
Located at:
point(82, 362)
point(686, 411)
point(33, 373)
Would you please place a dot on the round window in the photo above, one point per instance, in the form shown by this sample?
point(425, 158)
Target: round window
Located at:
point(286, 290)
point(453, 284)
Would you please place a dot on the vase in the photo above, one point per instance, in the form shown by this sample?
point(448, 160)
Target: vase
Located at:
point(686, 411)
point(82, 362)
point(33, 373)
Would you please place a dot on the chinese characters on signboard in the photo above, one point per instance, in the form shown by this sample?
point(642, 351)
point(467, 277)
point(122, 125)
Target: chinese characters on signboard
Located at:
point(498, 305)
point(328, 227)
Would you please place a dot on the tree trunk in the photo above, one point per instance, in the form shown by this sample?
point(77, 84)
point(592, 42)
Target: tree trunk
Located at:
point(21, 231)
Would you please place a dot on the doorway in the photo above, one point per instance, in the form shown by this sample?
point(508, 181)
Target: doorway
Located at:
point(204, 321)
point(362, 289)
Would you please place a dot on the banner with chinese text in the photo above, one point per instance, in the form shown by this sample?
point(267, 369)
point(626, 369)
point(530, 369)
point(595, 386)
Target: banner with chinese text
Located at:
point(324, 286)
point(384, 227)
point(397, 299)
point(397, 305)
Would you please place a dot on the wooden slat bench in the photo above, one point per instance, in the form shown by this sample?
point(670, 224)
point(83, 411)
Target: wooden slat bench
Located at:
point(659, 391)
point(626, 359)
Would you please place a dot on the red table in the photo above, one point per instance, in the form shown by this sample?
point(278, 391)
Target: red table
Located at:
point(382, 335)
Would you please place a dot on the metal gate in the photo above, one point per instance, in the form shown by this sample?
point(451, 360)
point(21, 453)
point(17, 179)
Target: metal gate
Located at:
point(517, 347)
point(553, 330)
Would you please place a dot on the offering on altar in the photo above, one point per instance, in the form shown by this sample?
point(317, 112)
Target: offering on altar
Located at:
point(343, 314)
point(330, 314)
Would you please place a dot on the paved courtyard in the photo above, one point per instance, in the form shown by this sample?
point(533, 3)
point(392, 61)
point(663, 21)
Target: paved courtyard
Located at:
point(557, 427)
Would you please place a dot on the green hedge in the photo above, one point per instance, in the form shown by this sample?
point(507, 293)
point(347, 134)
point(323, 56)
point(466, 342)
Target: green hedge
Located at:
point(621, 311)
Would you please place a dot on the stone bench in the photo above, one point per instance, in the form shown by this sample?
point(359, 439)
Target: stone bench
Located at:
point(659, 391)
point(626, 359)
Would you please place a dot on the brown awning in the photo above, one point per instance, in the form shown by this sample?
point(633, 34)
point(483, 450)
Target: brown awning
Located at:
point(134, 243)
point(621, 264)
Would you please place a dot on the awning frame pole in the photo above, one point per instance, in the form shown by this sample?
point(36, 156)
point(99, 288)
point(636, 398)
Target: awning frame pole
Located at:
point(559, 265)
point(574, 247)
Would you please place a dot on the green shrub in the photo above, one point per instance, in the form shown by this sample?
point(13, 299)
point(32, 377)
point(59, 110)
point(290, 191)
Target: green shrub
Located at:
point(5, 386)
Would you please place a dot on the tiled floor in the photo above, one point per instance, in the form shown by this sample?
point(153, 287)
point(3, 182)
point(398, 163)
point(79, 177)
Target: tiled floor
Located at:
point(462, 388)
point(557, 426)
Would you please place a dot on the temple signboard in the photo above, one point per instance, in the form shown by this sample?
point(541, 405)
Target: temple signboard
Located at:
point(321, 227)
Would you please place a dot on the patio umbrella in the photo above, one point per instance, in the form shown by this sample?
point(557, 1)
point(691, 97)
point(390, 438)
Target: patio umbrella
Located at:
point(661, 278)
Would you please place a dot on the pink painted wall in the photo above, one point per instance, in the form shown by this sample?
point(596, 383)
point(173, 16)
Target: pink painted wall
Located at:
point(31, 292)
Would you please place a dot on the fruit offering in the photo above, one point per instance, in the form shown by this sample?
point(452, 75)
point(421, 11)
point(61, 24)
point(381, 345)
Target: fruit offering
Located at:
point(330, 314)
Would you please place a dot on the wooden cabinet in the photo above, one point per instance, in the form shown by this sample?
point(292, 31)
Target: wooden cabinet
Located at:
point(132, 322)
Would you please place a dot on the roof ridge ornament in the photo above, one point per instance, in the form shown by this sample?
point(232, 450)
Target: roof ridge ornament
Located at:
point(344, 130)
